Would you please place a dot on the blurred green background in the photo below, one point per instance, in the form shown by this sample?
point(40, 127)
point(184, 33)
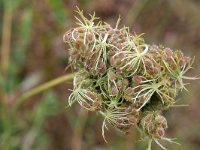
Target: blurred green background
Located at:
point(32, 52)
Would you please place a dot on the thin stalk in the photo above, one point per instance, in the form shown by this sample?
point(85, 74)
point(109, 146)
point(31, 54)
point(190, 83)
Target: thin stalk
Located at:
point(6, 35)
point(4, 59)
point(42, 88)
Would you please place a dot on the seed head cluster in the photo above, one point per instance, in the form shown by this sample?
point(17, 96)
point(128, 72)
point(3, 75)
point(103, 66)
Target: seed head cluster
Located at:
point(124, 79)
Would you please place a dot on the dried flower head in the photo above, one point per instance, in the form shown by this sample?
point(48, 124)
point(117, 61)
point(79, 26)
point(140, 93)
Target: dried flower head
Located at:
point(124, 79)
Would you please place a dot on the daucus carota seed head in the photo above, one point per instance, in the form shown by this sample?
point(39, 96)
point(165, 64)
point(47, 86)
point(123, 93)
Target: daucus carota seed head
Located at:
point(124, 79)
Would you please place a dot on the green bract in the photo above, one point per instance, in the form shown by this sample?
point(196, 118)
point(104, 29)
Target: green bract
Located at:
point(124, 79)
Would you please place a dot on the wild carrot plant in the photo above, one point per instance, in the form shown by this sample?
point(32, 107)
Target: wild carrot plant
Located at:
point(124, 79)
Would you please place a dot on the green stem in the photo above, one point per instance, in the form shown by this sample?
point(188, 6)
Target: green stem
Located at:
point(42, 88)
point(6, 35)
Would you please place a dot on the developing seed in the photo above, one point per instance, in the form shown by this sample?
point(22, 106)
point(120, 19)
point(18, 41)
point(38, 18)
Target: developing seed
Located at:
point(102, 71)
point(119, 84)
point(128, 109)
point(76, 45)
point(75, 35)
point(81, 30)
point(119, 46)
point(81, 38)
point(118, 71)
point(73, 54)
point(125, 82)
point(164, 124)
point(159, 119)
point(111, 31)
point(119, 120)
point(123, 40)
point(156, 70)
point(88, 54)
point(137, 105)
point(100, 64)
point(168, 52)
point(173, 66)
point(118, 62)
point(179, 54)
point(88, 63)
point(94, 56)
point(142, 99)
point(181, 62)
point(92, 95)
point(151, 71)
point(128, 98)
point(85, 104)
point(128, 67)
point(150, 127)
point(111, 53)
point(137, 80)
point(83, 48)
point(186, 59)
point(90, 36)
point(136, 113)
point(132, 120)
point(121, 56)
point(108, 28)
point(111, 76)
point(96, 104)
point(114, 39)
point(129, 91)
point(114, 91)
point(117, 32)
point(67, 35)
point(148, 117)
point(159, 133)
point(112, 61)
point(148, 63)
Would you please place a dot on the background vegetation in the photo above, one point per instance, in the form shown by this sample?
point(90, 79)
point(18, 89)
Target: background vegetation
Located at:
point(32, 52)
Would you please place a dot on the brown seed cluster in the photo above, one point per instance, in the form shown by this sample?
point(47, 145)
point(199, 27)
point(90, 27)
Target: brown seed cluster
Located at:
point(154, 125)
point(124, 79)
